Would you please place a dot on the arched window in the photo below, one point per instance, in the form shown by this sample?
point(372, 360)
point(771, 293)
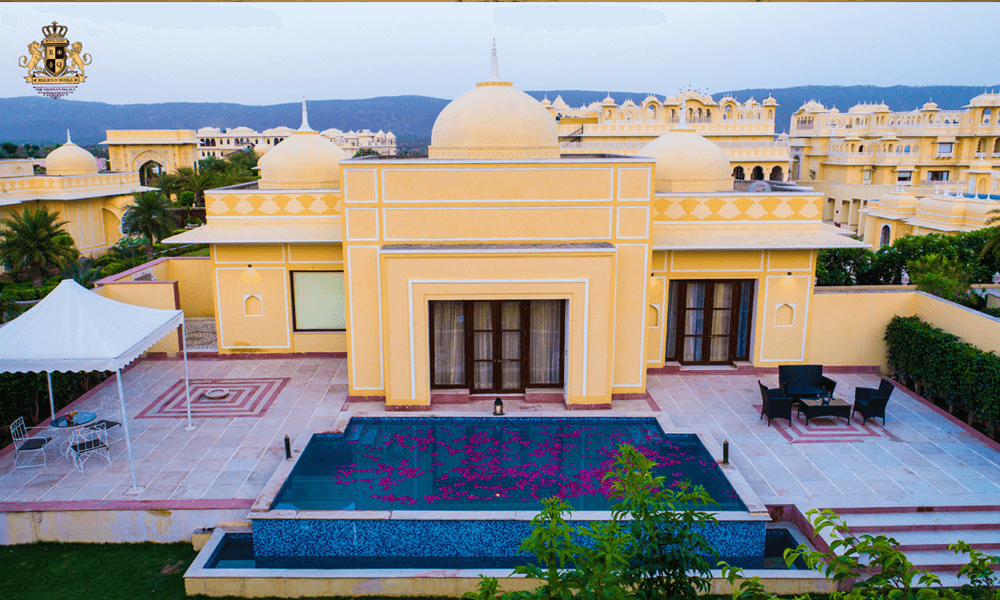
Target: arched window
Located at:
point(758, 115)
point(777, 174)
point(899, 149)
point(708, 114)
point(861, 148)
point(650, 113)
point(890, 147)
point(738, 173)
point(907, 149)
point(986, 117)
point(770, 115)
point(727, 113)
point(853, 147)
point(884, 237)
point(628, 117)
point(996, 146)
point(757, 174)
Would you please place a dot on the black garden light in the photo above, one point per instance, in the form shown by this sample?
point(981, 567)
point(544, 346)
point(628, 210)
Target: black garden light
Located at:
point(498, 408)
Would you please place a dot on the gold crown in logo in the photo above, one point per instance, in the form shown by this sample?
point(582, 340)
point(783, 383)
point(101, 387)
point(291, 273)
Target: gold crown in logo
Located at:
point(55, 30)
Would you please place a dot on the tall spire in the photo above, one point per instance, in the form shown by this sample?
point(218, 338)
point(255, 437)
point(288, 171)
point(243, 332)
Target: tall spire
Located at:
point(494, 68)
point(305, 118)
point(68, 141)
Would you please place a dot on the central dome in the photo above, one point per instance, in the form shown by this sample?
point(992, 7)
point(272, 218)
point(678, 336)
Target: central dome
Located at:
point(687, 162)
point(494, 120)
point(304, 161)
point(70, 159)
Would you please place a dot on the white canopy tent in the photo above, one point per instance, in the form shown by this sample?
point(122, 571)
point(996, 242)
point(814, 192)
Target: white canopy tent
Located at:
point(74, 329)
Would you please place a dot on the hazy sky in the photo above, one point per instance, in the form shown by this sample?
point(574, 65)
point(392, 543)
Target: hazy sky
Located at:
point(275, 53)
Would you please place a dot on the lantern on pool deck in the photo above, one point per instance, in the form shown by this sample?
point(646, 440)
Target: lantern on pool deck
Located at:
point(498, 407)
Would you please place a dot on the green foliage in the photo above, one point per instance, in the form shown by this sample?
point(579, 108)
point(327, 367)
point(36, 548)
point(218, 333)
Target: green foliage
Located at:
point(365, 152)
point(27, 395)
point(84, 271)
point(984, 584)
point(149, 215)
point(9, 309)
point(33, 242)
point(945, 368)
point(940, 275)
point(652, 548)
point(9, 148)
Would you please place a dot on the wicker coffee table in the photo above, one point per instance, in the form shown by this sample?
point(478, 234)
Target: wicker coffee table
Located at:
point(814, 408)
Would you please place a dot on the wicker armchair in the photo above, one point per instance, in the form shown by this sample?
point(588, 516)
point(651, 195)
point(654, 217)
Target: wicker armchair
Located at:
point(871, 402)
point(775, 404)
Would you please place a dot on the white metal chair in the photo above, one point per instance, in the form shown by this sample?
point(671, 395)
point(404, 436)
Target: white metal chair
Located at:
point(32, 446)
point(89, 441)
point(113, 435)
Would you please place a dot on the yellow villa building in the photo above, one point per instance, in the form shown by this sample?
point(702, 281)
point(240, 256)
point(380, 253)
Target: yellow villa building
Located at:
point(745, 131)
point(213, 141)
point(501, 264)
point(887, 174)
point(91, 202)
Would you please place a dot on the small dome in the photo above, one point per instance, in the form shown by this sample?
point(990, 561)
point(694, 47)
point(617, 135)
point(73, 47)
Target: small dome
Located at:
point(594, 106)
point(629, 104)
point(899, 198)
point(650, 98)
point(931, 105)
point(260, 149)
point(70, 159)
point(306, 160)
point(242, 130)
point(687, 162)
point(812, 106)
point(546, 102)
point(494, 120)
point(834, 111)
point(390, 135)
point(609, 100)
point(770, 101)
point(986, 99)
point(671, 100)
point(559, 103)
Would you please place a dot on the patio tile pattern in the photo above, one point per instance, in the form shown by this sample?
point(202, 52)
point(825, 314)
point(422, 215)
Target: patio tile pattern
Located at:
point(919, 458)
point(250, 397)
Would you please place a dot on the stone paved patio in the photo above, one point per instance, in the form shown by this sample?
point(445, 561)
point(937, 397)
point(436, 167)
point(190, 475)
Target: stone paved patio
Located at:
point(920, 457)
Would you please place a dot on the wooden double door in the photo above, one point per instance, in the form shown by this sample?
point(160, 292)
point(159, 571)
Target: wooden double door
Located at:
point(710, 321)
point(497, 346)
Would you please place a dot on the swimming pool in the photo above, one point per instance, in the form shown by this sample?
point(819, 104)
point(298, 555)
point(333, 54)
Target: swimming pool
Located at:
point(491, 464)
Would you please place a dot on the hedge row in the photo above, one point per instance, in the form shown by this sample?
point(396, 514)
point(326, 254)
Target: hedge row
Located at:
point(944, 368)
point(27, 293)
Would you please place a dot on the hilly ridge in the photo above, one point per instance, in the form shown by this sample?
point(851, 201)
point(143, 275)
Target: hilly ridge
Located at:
point(42, 120)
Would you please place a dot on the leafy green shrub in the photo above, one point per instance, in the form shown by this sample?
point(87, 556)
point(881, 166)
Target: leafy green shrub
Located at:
point(946, 368)
point(652, 548)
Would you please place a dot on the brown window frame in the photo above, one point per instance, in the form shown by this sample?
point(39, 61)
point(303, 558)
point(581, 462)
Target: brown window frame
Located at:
point(679, 320)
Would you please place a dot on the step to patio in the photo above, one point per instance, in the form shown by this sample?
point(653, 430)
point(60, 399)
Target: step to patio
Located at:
point(925, 533)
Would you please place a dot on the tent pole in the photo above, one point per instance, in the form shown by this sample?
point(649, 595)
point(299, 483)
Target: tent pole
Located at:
point(52, 402)
point(135, 489)
point(187, 379)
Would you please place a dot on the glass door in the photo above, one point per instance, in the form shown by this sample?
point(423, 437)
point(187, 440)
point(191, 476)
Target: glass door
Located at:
point(497, 342)
point(709, 322)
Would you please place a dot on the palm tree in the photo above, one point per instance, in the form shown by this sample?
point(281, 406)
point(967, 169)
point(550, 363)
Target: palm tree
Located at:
point(149, 215)
point(197, 182)
point(170, 185)
point(9, 309)
point(34, 241)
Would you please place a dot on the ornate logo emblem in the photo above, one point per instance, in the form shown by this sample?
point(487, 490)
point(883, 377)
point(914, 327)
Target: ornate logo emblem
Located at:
point(55, 67)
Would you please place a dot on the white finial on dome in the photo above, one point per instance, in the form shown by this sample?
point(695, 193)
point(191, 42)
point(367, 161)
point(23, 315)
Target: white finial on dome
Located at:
point(494, 67)
point(68, 141)
point(305, 118)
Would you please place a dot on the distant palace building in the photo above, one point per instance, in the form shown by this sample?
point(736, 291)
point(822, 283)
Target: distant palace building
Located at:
point(90, 201)
point(886, 174)
point(745, 132)
point(219, 143)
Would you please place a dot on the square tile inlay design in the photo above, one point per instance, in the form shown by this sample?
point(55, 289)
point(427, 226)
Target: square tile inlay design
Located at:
point(827, 429)
point(247, 398)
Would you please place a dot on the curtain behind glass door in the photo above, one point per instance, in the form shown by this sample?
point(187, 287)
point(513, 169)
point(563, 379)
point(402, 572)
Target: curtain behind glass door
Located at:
point(449, 342)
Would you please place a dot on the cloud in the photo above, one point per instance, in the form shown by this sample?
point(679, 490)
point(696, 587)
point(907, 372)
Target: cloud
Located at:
point(576, 17)
point(167, 16)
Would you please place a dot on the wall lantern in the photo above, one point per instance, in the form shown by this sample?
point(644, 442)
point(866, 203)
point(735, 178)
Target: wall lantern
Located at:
point(996, 277)
point(498, 407)
point(904, 278)
point(250, 275)
point(787, 282)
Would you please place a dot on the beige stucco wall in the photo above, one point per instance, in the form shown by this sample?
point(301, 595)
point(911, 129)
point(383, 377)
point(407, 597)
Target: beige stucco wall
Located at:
point(151, 294)
point(194, 279)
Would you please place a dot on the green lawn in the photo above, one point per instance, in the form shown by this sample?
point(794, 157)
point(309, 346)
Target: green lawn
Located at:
point(202, 252)
point(144, 571)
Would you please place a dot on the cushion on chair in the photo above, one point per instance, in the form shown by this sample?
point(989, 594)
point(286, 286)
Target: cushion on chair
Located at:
point(88, 446)
point(34, 443)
